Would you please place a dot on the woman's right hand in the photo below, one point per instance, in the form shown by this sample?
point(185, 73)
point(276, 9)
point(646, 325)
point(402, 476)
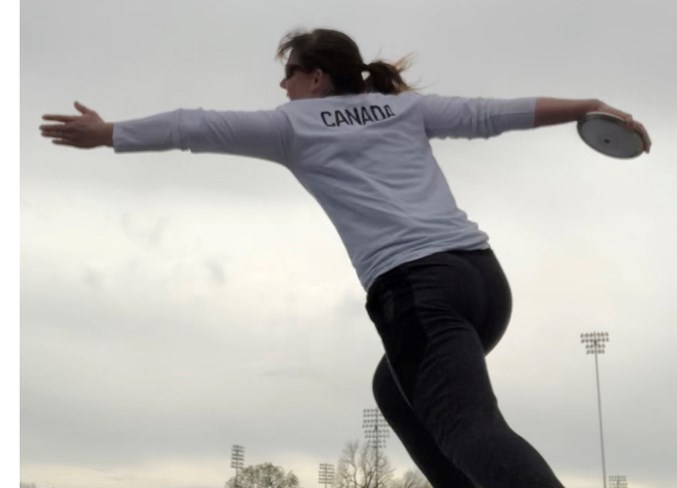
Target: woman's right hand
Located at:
point(630, 122)
point(85, 131)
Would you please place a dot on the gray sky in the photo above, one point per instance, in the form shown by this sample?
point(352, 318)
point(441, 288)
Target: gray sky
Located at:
point(173, 305)
point(9, 197)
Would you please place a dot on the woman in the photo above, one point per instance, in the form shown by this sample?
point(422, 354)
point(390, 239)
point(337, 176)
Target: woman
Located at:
point(357, 138)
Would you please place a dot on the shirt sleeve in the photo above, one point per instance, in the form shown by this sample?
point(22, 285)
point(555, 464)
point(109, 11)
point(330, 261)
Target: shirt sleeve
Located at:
point(258, 134)
point(475, 117)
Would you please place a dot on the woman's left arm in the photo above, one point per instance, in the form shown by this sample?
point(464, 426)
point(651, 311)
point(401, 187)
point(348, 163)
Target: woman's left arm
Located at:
point(260, 134)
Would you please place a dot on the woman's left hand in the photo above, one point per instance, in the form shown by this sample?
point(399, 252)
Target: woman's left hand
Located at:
point(85, 131)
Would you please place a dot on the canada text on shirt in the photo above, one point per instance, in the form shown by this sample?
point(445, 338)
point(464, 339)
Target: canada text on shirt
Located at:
point(361, 115)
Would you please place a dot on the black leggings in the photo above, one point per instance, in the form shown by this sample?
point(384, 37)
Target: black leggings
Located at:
point(438, 317)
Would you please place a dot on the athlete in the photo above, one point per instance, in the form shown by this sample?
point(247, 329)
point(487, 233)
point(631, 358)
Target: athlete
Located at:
point(356, 136)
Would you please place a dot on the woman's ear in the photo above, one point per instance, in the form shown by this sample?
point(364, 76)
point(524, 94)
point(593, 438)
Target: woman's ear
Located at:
point(318, 75)
point(321, 82)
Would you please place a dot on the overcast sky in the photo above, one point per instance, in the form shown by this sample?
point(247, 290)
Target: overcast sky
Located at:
point(173, 305)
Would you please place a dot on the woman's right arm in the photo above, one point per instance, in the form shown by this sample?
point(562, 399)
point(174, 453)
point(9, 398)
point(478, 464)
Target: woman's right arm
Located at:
point(479, 117)
point(552, 111)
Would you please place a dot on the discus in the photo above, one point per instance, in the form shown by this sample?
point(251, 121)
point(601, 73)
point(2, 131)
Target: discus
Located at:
point(610, 135)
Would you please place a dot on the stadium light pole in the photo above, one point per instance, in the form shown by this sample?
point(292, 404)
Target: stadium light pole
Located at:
point(618, 481)
point(237, 462)
point(326, 474)
point(594, 344)
point(375, 431)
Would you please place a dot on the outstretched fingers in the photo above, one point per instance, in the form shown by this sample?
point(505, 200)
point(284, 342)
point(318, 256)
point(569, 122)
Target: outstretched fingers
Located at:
point(60, 118)
point(64, 142)
point(69, 118)
point(81, 108)
point(86, 130)
point(61, 135)
point(54, 130)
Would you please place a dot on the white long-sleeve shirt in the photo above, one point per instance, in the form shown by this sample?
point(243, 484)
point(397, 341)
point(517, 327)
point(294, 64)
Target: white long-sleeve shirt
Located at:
point(365, 158)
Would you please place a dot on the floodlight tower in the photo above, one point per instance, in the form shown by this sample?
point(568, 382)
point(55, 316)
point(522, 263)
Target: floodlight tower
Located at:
point(594, 344)
point(618, 481)
point(237, 462)
point(375, 431)
point(326, 474)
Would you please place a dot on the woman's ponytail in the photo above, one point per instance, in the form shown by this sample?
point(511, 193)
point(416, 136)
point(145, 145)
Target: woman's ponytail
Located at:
point(386, 78)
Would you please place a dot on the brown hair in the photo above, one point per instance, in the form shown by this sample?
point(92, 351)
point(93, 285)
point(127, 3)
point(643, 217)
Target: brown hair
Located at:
point(337, 55)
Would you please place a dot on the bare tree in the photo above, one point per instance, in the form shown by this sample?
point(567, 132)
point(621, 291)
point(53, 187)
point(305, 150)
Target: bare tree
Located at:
point(264, 476)
point(411, 479)
point(358, 467)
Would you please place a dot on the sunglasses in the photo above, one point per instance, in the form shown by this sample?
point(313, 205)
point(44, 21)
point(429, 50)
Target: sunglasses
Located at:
point(290, 69)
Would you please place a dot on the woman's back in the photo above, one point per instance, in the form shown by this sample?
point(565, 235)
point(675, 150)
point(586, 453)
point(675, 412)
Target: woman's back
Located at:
point(367, 160)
